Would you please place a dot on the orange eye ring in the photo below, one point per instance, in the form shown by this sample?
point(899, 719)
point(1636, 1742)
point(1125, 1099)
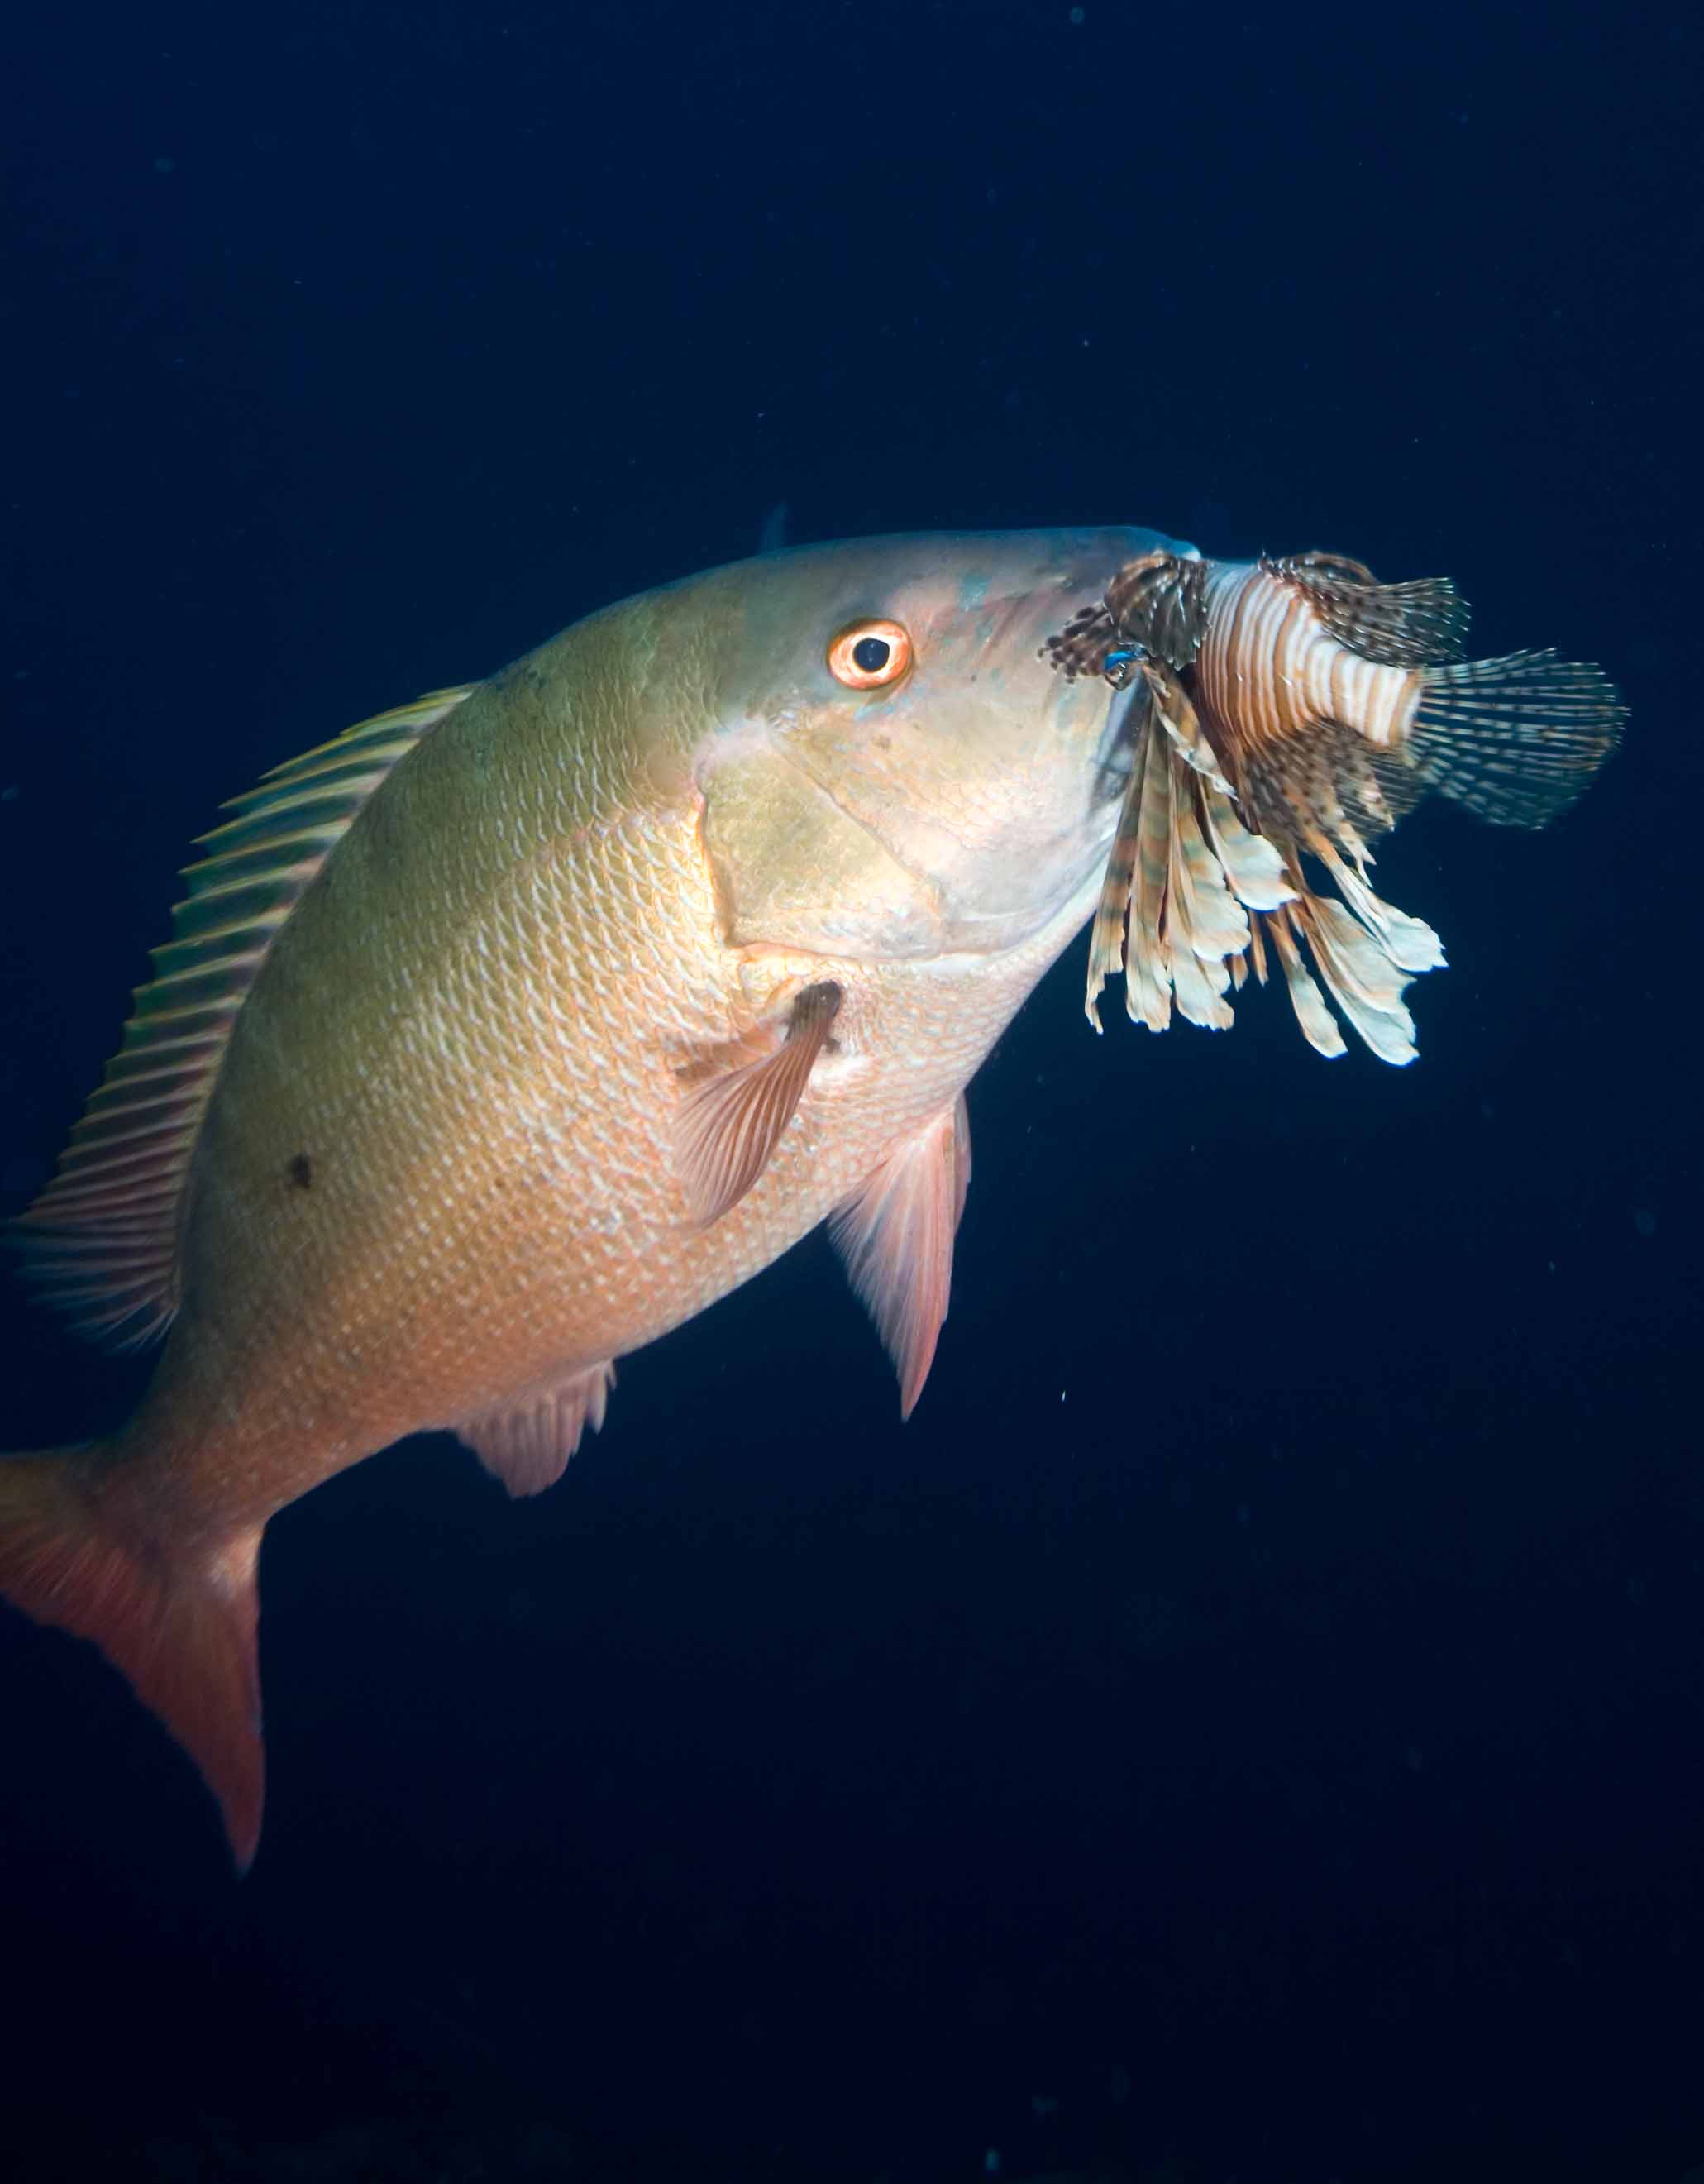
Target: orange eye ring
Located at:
point(872, 654)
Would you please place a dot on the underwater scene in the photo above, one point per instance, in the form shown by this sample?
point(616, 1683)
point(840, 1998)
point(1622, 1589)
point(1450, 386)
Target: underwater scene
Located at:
point(846, 872)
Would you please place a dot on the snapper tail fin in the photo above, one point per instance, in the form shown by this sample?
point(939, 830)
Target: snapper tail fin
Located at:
point(176, 1615)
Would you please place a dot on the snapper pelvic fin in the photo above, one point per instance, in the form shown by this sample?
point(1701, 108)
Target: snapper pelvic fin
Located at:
point(896, 1237)
point(102, 1240)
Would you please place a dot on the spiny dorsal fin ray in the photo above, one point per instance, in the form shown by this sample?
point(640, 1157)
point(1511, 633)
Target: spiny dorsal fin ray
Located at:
point(1408, 625)
point(103, 1237)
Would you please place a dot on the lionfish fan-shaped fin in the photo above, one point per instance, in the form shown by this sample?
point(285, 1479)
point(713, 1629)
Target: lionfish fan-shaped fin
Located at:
point(1199, 985)
point(1411, 625)
point(1206, 925)
point(1373, 789)
point(1409, 942)
point(896, 1237)
point(1218, 924)
point(1178, 717)
point(1319, 1028)
point(728, 1126)
point(1107, 936)
point(102, 1240)
point(1082, 646)
point(1399, 785)
point(1158, 602)
point(1198, 993)
point(528, 1445)
point(1187, 871)
point(1253, 868)
point(1147, 969)
point(1360, 978)
point(1515, 740)
point(1331, 568)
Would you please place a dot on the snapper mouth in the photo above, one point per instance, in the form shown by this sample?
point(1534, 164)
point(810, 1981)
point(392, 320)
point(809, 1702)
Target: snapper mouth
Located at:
point(1279, 715)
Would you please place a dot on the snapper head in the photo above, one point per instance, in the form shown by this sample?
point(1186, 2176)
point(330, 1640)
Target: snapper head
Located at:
point(892, 773)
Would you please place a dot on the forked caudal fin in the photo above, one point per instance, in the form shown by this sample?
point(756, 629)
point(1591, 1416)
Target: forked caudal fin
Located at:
point(177, 1619)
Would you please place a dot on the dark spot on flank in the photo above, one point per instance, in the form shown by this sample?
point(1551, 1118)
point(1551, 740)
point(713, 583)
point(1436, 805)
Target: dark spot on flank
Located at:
point(300, 1171)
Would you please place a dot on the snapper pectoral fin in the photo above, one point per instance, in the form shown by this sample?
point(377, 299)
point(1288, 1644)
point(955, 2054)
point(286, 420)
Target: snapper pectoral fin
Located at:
point(730, 1121)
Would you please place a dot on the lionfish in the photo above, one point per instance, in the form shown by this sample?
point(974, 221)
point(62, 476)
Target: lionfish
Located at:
point(1282, 714)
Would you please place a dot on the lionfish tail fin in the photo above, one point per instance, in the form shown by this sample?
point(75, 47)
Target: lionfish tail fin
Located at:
point(1515, 740)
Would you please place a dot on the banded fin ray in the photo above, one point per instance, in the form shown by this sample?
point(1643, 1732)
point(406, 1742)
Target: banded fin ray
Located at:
point(1296, 710)
point(1414, 624)
point(1515, 740)
point(102, 1240)
point(1198, 895)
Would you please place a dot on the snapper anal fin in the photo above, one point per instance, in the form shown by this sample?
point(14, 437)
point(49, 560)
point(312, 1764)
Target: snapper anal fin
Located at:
point(527, 1445)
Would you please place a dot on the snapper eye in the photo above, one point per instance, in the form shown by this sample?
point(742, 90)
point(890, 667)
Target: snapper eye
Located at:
point(870, 655)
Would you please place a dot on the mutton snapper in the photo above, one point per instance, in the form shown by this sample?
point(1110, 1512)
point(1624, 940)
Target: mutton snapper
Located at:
point(514, 1027)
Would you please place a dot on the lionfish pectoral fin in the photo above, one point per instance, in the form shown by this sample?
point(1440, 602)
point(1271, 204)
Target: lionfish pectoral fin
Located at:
point(1107, 936)
point(1319, 1028)
point(1176, 712)
point(1515, 740)
point(528, 1445)
point(896, 1237)
point(728, 1126)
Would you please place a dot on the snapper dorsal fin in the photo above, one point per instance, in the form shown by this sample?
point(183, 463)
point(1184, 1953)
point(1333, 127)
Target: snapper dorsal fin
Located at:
point(102, 1238)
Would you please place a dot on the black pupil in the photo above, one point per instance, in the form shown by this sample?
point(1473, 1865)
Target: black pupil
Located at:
point(870, 655)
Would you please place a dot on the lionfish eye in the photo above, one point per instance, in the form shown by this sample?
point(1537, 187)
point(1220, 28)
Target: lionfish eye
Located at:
point(870, 655)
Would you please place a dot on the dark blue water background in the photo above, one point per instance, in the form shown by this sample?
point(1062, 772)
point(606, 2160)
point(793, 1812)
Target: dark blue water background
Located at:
point(1250, 1723)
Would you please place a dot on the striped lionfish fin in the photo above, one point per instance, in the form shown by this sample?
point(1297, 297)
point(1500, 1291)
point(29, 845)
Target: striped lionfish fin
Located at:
point(1408, 625)
point(1515, 740)
point(1195, 895)
point(1295, 709)
point(102, 1240)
